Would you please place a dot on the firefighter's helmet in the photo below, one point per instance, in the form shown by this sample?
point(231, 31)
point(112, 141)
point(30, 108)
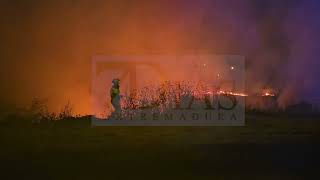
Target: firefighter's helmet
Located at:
point(116, 81)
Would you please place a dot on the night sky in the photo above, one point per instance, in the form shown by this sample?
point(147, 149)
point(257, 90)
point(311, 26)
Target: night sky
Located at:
point(46, 46)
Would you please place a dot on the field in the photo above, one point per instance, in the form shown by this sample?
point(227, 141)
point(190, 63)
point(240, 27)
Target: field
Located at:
point(270, 146)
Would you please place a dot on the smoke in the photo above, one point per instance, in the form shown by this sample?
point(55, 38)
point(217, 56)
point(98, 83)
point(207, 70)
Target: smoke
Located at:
point(287, 57)
point(47, 46)
point(302, 29)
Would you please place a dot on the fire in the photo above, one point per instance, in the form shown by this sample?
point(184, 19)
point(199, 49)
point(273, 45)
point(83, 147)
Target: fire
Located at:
point(231, 93)
point(268, 93)
point(163, 95)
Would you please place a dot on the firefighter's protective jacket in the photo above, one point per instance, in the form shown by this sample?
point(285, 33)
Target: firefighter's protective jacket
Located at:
point(114, 92)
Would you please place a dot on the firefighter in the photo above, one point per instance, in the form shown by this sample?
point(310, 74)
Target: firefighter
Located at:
point(115, 95)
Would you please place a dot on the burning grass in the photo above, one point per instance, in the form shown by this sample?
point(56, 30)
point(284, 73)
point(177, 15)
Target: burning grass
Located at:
point(163, 97)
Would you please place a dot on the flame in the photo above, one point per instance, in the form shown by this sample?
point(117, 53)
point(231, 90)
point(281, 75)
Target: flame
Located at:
point(163, 95)
point(268, 93)
point(231, 93)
